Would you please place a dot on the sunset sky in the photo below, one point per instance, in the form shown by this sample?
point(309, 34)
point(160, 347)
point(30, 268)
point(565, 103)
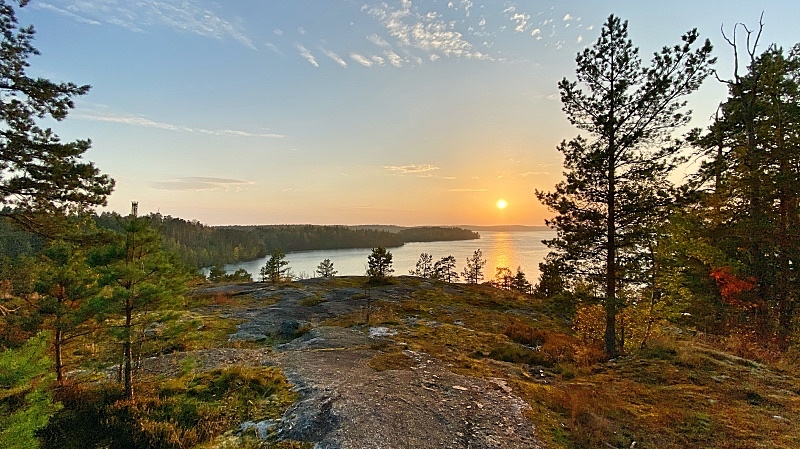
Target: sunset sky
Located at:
point(402, 112)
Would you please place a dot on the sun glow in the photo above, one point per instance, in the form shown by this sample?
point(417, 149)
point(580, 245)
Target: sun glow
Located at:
point(501, 204)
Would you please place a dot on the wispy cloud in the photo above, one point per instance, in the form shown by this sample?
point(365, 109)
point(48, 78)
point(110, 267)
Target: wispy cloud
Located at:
point(336, 58)
point(363, 60)
point(191, 16)
point(411, 169)
point(468, 190)
point(194, 183)
point(134, 120)
point(379, 41)
point(306, 54)
point(64, 12)
point(273, 47)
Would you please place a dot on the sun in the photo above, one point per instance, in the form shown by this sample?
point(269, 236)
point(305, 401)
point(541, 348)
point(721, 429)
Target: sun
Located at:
point(501, 204)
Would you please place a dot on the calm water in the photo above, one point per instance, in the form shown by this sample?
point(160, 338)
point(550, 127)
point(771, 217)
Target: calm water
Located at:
point(500, 249)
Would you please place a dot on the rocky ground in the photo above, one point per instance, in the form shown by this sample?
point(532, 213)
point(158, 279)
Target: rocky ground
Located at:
point(346, 403)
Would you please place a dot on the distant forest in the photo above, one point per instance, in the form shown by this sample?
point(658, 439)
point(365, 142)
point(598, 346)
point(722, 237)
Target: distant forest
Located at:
point(199, 245)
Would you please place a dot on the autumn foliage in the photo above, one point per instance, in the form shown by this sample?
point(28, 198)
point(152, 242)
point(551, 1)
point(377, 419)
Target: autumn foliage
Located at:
point(732, 288)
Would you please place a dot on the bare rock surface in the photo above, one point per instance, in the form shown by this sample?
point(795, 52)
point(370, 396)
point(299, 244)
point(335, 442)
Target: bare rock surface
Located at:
point(346, 404)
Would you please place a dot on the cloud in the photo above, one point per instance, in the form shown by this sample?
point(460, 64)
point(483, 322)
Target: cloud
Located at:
point(64, 12)
point(468, 190)
point(189, 16)
point(336, 58)
point(521, 20)
point(394, 58)
point(195, 183)
point(533, 173)
point(134, 120)
point(273, 47)
point(411, 168)
point(305, 54)
point(379, 41)
point(361, 59)
point(427, 32)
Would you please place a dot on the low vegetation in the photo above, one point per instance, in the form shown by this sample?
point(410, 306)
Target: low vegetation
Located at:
point(682, 389)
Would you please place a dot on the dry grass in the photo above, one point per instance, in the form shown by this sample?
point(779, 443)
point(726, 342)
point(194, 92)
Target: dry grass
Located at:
point(672, 394)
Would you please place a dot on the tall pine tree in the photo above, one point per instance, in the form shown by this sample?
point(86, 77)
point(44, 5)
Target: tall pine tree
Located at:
point(616, 185)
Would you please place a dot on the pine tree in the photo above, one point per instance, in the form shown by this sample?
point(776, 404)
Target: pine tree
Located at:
point(473, 272)
point(67, 286)
point(40, 176)
point(276, 268)
point(615, 188)
point(140, 276)
point(520, 282)
point(325, 269)
point(424, 267)
point(503, 278)
point(445, 269)
point(379, 264)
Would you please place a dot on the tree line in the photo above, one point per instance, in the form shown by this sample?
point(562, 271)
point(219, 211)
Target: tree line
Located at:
point(720, 251)
point(199, 245)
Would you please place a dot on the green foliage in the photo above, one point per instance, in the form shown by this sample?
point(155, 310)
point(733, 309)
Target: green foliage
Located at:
point(276, 268)
point(15, 242)
point(444, 269)
point(552, 280)
point(436, 234)
point(615, 192)
point(25, 400)
point(38, 172)
point(188, 411)
point(139, 276)
point(424, 267)
point(200, 245)
point(520, 282)
point(66, 285)
point(325, 269)
point(748, 190)
point(379, 264)
point(217, 273)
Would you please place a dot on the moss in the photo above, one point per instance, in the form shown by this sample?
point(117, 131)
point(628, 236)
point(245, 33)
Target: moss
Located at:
point(391, 361)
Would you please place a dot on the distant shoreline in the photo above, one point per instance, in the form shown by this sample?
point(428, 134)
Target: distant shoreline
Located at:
point(398, 228)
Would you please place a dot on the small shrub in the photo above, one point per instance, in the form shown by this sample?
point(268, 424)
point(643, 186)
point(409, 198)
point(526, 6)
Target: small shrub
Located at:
point(520, 354)
point(524, 334)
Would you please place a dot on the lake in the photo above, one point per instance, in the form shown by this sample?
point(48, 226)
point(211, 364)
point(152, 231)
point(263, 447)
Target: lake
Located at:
point(500, 249)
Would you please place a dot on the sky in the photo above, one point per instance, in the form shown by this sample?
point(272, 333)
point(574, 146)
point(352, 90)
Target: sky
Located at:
point(404, 112)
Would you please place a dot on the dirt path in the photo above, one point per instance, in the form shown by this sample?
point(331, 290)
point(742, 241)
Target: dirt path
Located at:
point(347, 404)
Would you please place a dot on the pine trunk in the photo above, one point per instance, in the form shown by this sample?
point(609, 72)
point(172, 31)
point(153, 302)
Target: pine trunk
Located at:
point(127, 352)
